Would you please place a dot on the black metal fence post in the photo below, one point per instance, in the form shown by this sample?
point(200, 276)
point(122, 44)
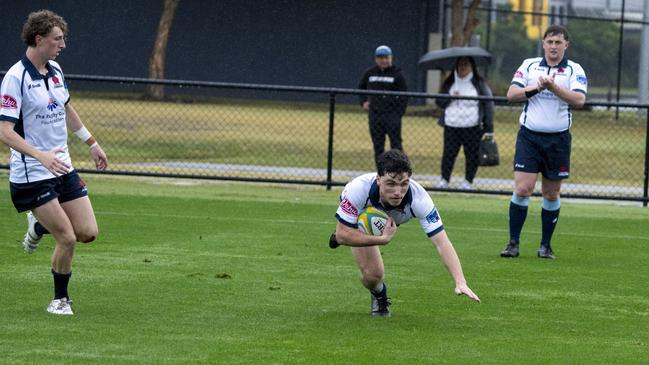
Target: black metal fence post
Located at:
point(488, 42)
point(646, 162)
point(330, 147)
point(443, 25)
point(619, 61)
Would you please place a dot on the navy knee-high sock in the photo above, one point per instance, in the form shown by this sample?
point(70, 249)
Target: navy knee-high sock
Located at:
point(517, 215)
point(382, 293)
point(549, 219)
point(61, 284)
point(39, 229)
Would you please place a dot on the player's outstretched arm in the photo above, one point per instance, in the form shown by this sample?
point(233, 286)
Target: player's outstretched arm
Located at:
point(452, 262)
point(353, 237)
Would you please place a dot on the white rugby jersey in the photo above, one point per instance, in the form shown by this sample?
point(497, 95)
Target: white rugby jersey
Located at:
point(363, 192)
point(36, 104)
point(545, 112)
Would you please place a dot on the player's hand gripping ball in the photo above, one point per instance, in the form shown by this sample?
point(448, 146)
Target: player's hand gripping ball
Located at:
point(372, 221)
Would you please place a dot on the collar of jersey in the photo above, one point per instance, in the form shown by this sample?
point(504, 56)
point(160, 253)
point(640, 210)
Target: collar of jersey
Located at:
point(33, 72)
point(562, 64)
point(375, 197)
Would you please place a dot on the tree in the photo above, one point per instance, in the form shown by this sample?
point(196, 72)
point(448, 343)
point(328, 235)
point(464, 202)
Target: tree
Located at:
point(509, 48)
point(594, 45)
point(157, 60)
point(462, 28)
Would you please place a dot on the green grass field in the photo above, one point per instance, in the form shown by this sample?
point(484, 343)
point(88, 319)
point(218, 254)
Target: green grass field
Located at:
point(220, 273)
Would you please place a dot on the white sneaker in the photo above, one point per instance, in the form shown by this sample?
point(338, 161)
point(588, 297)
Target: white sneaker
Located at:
point(465, 185)
point(60, 306)
point(31, 240)
point(443, 184)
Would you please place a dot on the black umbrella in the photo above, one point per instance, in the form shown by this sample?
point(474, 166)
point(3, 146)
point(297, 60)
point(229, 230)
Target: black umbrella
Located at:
point(444, 59)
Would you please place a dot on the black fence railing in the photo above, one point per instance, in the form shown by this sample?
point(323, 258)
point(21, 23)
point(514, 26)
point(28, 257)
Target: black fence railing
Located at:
point(245, 132)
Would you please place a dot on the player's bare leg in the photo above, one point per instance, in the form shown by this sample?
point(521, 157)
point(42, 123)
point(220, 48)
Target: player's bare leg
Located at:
point(82, 217)
point(68, 223)
point(370, 265)
point(524, 183)
point(52, 216)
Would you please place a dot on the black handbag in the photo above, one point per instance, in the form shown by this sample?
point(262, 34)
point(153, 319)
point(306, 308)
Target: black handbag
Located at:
point(489, 153)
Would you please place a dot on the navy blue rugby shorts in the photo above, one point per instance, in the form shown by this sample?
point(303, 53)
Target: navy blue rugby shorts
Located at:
point(66, 187)
point(547, 153)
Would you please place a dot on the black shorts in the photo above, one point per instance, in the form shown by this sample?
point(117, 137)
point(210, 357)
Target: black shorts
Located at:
point(547, 153)
point(66, 187)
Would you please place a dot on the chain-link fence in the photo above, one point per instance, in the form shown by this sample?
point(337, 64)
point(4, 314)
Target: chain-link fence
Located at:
point(251, 133)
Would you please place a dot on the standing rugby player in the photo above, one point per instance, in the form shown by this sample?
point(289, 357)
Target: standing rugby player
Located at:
point(34, 118)
point(550, 86)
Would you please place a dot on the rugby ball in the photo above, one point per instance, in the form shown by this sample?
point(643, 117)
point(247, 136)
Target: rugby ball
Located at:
point(372, 221)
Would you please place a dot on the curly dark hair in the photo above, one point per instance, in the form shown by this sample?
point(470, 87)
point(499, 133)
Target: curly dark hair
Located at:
point(393, 162)
point(41, 23)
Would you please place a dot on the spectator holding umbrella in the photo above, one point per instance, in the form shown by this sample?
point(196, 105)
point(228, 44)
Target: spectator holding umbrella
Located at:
point(465, 121)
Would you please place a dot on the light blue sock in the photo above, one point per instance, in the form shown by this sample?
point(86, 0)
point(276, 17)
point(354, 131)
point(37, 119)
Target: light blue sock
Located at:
point(520, 200)
point(551, 204)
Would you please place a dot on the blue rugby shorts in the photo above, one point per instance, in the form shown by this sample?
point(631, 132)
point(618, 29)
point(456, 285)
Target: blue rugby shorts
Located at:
point(66, 187)
point(547, 153)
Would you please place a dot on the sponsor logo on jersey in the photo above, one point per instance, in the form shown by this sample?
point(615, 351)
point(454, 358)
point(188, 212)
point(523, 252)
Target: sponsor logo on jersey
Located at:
point(582, 79)
point(8, 102)
point(348, 208)
point(32, 86)
point(57, 82)
point(52, 104)
point(433, 216)
point(388, 79)
point(518, 75)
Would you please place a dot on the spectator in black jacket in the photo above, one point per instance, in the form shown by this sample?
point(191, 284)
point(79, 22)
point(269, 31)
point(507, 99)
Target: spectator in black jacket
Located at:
point(465, 121)
point(385, 111)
